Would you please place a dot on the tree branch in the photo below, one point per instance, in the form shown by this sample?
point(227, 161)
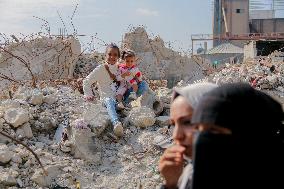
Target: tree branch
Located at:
point(19, 142)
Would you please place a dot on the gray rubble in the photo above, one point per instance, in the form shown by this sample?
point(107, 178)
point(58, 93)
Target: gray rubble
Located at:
point(74, 139)
point(90, 155)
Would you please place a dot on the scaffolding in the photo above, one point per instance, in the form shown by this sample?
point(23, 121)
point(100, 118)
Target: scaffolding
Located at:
point(229, 37)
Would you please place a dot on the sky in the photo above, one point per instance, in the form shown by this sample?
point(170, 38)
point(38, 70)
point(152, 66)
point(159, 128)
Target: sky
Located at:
point(173, 20)
point(108, 20)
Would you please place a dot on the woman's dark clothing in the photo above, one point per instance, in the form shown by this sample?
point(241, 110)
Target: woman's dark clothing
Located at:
point(253, 155)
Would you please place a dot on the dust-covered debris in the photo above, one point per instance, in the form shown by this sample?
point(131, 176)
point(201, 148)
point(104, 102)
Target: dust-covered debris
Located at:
point(89, 155)
point(73, 138)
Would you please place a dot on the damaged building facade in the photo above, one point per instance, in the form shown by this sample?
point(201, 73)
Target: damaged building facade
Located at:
point(158, 62)
point(255, 26)
point(41, 58)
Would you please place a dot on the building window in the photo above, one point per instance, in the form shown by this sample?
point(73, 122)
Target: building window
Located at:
point(240, 10)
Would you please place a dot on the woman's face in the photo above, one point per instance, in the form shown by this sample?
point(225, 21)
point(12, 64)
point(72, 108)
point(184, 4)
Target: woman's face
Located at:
point(112, 55)
point(180, 115)
point(184, 131)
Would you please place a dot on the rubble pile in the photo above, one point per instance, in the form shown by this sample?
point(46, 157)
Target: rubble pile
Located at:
point(261, 74)
point(158, 62)
point(42, 58)
point(74, 138)
point(266, 74)
point(90, 155)
point(257, 74)
point(86, 63)
point(156, 84)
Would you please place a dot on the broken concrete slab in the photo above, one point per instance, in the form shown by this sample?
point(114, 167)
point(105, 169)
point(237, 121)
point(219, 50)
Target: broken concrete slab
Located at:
point(159, 62)
point(85, 145)
point(5, 154)
point(163, 121)
point(45, 180)
point(36, 97)
point(97, 117)
point(45, 57)
point(141, 117)
point(16, 116)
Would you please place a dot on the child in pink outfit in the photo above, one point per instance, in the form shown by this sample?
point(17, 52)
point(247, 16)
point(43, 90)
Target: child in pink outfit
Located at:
point(130, 74)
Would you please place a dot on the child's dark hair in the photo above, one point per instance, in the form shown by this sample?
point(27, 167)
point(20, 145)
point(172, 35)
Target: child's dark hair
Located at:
point(127, 53)
point(113, 46)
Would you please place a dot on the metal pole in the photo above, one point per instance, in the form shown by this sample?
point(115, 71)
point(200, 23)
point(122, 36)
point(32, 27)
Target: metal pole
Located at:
point(219, 19)
point(191, 46)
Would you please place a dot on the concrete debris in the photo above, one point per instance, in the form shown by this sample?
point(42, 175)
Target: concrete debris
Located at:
point(46, 58)
point(97, 117)
point(16, 116)
point(5, 154)
point(162, 142)
point(7, 104)
point(27, 130)
point(86, 63)
point(165, 95)
point(257, 75)
point(24, 131)
point(66, 147)
point(159, 62)
point(36, 97)
point(163, 121)
point(151, 100)
point(17, 159)
point(88, 149)
point(85, 146)
point(142, 117)
point(2, 121)
point(7, 179)
point(45, 180)
point(155, 84)
point(1, 115)
point(260, 73)
point(50, 99)
point(74, 138)
point(20, 133)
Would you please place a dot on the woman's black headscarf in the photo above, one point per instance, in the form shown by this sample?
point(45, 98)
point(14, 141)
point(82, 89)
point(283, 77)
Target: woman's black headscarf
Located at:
point(252, 156)
point(242, 109)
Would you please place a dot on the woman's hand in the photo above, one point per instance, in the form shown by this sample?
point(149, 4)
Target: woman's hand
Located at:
point(125, 74)
point(171, 165)
point(89, 98)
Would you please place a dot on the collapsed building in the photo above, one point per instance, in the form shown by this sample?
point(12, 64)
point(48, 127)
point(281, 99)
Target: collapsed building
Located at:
point(158, 62)
point(91, 156)
point(41, 58)
point(255, 26)
point(263, 48)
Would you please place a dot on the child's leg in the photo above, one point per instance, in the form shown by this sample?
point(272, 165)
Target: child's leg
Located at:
point(135, 87)
point(120, 92)
point(126, 95)
point(119, 97)
point(110, 106)
point(142, 88)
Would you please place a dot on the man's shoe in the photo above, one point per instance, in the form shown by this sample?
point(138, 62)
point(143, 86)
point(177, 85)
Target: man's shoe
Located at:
point(118, 129)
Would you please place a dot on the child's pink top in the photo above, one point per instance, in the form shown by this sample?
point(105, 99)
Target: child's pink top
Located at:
point(136, 75)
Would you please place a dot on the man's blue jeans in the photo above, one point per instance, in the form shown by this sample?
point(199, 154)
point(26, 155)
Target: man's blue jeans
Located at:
point(142, 88)
point(110, 104)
